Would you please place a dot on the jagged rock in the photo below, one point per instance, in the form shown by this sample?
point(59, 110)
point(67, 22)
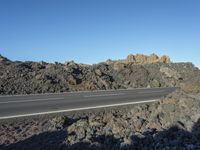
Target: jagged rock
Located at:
point(168, 107)
point(192, 86)
point(149, 126)
point(155, 83)
point(118, 66)
point(98, 72)
point(32, 77)
point(78, 129)
point(170, 73)
point(141, 59)
point(109, 62)
point(3, 59)
point(131, 59)
point(143, 126)
point(165, 59)
point(138, 124)
point(71, 80)
point(152, 58)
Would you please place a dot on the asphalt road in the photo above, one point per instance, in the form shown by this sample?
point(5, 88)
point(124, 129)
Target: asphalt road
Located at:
point(29, 105)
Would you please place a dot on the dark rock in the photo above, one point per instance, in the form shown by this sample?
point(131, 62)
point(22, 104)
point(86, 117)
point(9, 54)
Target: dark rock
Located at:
point(171, 123)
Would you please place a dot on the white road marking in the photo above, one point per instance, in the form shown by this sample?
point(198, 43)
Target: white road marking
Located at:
point(146, 92)
point(76, 109)
point(129, 89)
point(105, 95)
point(34, 100)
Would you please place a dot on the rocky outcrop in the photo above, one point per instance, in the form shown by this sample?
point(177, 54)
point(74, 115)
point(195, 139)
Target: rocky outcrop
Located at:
point(3, 59)
point(142, 59)
point(169, 72)
point(164, 59)
point(171, 123)
point(192, 86)
point(40, 77)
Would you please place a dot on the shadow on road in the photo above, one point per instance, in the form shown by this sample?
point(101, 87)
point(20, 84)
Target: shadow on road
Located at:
point(173, 138)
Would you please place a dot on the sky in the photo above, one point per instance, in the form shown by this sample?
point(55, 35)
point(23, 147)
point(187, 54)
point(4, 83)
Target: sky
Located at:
point(91, 31)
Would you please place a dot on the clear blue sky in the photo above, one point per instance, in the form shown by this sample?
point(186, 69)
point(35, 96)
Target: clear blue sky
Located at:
point(90, 31)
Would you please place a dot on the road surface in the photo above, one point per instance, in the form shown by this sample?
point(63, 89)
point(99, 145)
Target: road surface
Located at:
point(29, 105)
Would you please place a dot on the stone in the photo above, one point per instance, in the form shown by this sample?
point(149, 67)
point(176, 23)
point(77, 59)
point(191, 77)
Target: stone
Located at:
point(130, 59)
point(138, 124)
point(152, 58)
point(143, 59)
point(168, 107)
point(165, 59)
point(170, 73)
point(3, 59)
point(140, 58)
point(109, 62)
point(71, 80)
point(78, 129)
point(192, 86)
point(98, 72)
point(155, 83)
point(118, 66)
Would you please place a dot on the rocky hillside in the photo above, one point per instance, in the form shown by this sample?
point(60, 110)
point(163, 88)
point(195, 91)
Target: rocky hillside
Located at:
point(133, 72)
point(173, 123)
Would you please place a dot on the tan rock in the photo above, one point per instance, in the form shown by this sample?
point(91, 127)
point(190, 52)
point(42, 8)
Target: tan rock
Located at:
point(152, 58)
point(109, 62)
point(118, 66)
point(170, 73)
point(192, 86)
point(71, 80)
point(164, 59)
point(140, 59)
point(98, 72)
point(130, 59)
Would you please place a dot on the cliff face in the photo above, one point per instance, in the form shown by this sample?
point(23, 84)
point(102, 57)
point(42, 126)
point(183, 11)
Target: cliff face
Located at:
point(142, 59)
point(133, 72)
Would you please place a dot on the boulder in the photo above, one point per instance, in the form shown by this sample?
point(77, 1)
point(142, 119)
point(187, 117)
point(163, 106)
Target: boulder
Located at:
point(131, 59)
point(152, 58)
point(109, 62)
point(155, 83)
point(118, 66)
point(71, 80)
point(165, 59)
point(140, 59)
point(3, 59)
point(98, 72)
point(169, 72)
point(143, 59)
point(192, 86)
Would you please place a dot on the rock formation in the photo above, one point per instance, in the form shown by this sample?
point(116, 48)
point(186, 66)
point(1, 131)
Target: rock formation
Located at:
point(142, 59)
point(171, 123)
point(133, 72)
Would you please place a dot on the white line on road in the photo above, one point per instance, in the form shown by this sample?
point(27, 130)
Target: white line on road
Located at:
point(76, 109)
point(111, 90)
point(146, 92)
point(105, 95)
point(34, 100)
